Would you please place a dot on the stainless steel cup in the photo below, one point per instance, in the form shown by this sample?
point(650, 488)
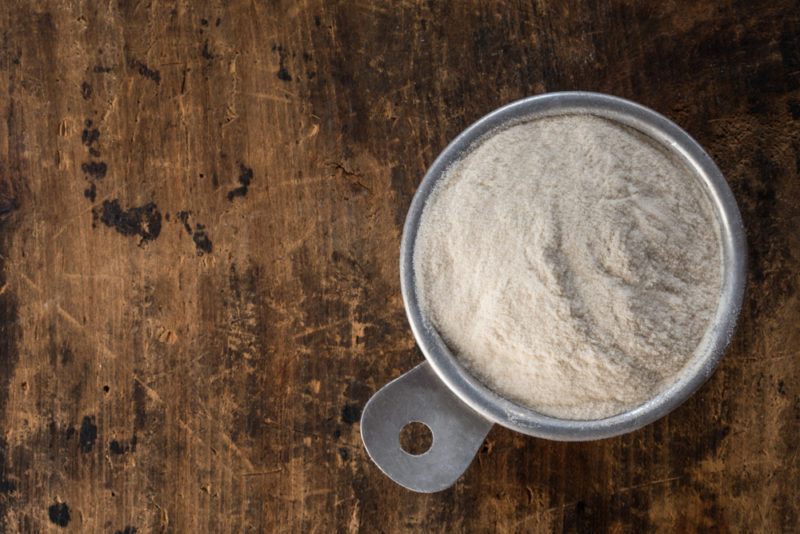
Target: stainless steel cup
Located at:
point(459, 409)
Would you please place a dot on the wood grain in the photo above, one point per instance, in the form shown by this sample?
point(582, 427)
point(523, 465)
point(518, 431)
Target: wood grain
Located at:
point(200, 208)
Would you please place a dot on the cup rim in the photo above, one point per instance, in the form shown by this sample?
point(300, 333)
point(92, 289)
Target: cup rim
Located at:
point(711, 348)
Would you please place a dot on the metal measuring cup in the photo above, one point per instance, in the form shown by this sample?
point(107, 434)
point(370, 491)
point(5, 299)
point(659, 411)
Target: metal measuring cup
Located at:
point(458, 409)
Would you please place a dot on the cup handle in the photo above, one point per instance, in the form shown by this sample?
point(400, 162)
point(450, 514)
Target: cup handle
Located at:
point(420, 396)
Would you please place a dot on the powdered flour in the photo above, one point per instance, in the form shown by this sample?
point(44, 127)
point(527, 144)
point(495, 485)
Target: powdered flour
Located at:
point(571, 264)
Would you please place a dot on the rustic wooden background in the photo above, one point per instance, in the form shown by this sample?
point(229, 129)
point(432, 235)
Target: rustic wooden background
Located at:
point(200, 209)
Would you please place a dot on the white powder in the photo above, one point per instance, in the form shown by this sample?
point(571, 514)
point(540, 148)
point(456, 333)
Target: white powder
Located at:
point(571, 264)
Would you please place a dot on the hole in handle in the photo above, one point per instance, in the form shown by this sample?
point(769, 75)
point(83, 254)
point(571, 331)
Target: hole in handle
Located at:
point(416, 438)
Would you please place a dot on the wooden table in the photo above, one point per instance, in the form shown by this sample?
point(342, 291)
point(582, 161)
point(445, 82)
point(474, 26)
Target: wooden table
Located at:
point(201, 205)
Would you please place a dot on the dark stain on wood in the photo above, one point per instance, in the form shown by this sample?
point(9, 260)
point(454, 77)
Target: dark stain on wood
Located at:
point(90, 192)
point(142, 221)
point(118, 447)
point(199, 235)
point(206, 52)
point(88, 434)
point(95, 169)
point(59, 514)
point(283, 73)
point(245, 178)
point(86, 90)
point(223, 394)
point(201, 239)
point(90, 135)
point(351, 414)
point(145, 71)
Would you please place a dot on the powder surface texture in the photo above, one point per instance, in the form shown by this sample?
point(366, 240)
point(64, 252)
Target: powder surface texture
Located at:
point(571, 264)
